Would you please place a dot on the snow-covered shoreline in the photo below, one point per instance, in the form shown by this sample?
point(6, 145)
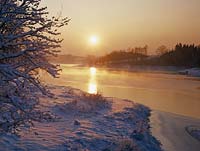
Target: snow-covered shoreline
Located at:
point(194, 72)
point(86, 123)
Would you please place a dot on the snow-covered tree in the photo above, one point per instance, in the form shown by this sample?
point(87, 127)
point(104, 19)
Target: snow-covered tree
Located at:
point(27, 38)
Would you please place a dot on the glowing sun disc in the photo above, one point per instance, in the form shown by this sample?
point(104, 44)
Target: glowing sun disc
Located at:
point(94, 40)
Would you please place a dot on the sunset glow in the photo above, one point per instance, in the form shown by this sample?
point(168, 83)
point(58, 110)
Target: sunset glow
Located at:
point(94, 40)
point(100, 75)
point(129, 23)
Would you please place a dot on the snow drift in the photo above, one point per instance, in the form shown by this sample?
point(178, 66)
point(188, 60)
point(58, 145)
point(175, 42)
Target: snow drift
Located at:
point(85, 122)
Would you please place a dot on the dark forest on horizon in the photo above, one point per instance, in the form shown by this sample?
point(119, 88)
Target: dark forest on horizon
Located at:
point(182, 55)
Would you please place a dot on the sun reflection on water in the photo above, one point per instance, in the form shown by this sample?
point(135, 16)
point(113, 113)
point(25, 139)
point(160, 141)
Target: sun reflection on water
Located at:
point(93, 71)
point(92, 85)
point(92, 88)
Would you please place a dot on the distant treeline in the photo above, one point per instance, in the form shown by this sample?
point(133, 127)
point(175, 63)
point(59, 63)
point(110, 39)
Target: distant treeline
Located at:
point(181, 55)
point(67, 59)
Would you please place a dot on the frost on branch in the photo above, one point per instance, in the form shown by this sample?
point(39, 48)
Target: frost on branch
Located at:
point(27, 38)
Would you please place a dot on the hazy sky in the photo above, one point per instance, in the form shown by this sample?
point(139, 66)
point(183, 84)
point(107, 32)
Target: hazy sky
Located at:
point(126, 23)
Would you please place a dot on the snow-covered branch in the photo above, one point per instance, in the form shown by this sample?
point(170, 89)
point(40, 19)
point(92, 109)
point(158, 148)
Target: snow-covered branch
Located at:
point(27, 38)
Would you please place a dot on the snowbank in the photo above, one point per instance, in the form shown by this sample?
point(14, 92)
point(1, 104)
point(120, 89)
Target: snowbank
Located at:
point(86, 123)
point(194, 131)
point(191, 72)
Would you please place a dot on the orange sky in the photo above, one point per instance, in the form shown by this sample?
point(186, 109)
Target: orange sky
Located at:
point(126, 23)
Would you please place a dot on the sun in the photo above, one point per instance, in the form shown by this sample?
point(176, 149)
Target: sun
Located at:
point(94, 40)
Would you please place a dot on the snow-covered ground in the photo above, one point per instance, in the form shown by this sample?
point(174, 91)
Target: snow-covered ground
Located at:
point(191, 72)
point(85, 123)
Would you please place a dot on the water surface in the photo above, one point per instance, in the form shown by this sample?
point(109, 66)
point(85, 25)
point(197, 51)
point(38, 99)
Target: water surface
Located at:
point(164, 92)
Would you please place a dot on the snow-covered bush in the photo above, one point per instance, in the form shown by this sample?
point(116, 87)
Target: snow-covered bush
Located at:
point(83, 102)
point(95, 101)
point(127, 145)
point(27, 38)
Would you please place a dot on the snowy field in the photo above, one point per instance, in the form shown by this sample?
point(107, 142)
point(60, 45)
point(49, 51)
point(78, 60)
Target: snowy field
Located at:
point(85, 122)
